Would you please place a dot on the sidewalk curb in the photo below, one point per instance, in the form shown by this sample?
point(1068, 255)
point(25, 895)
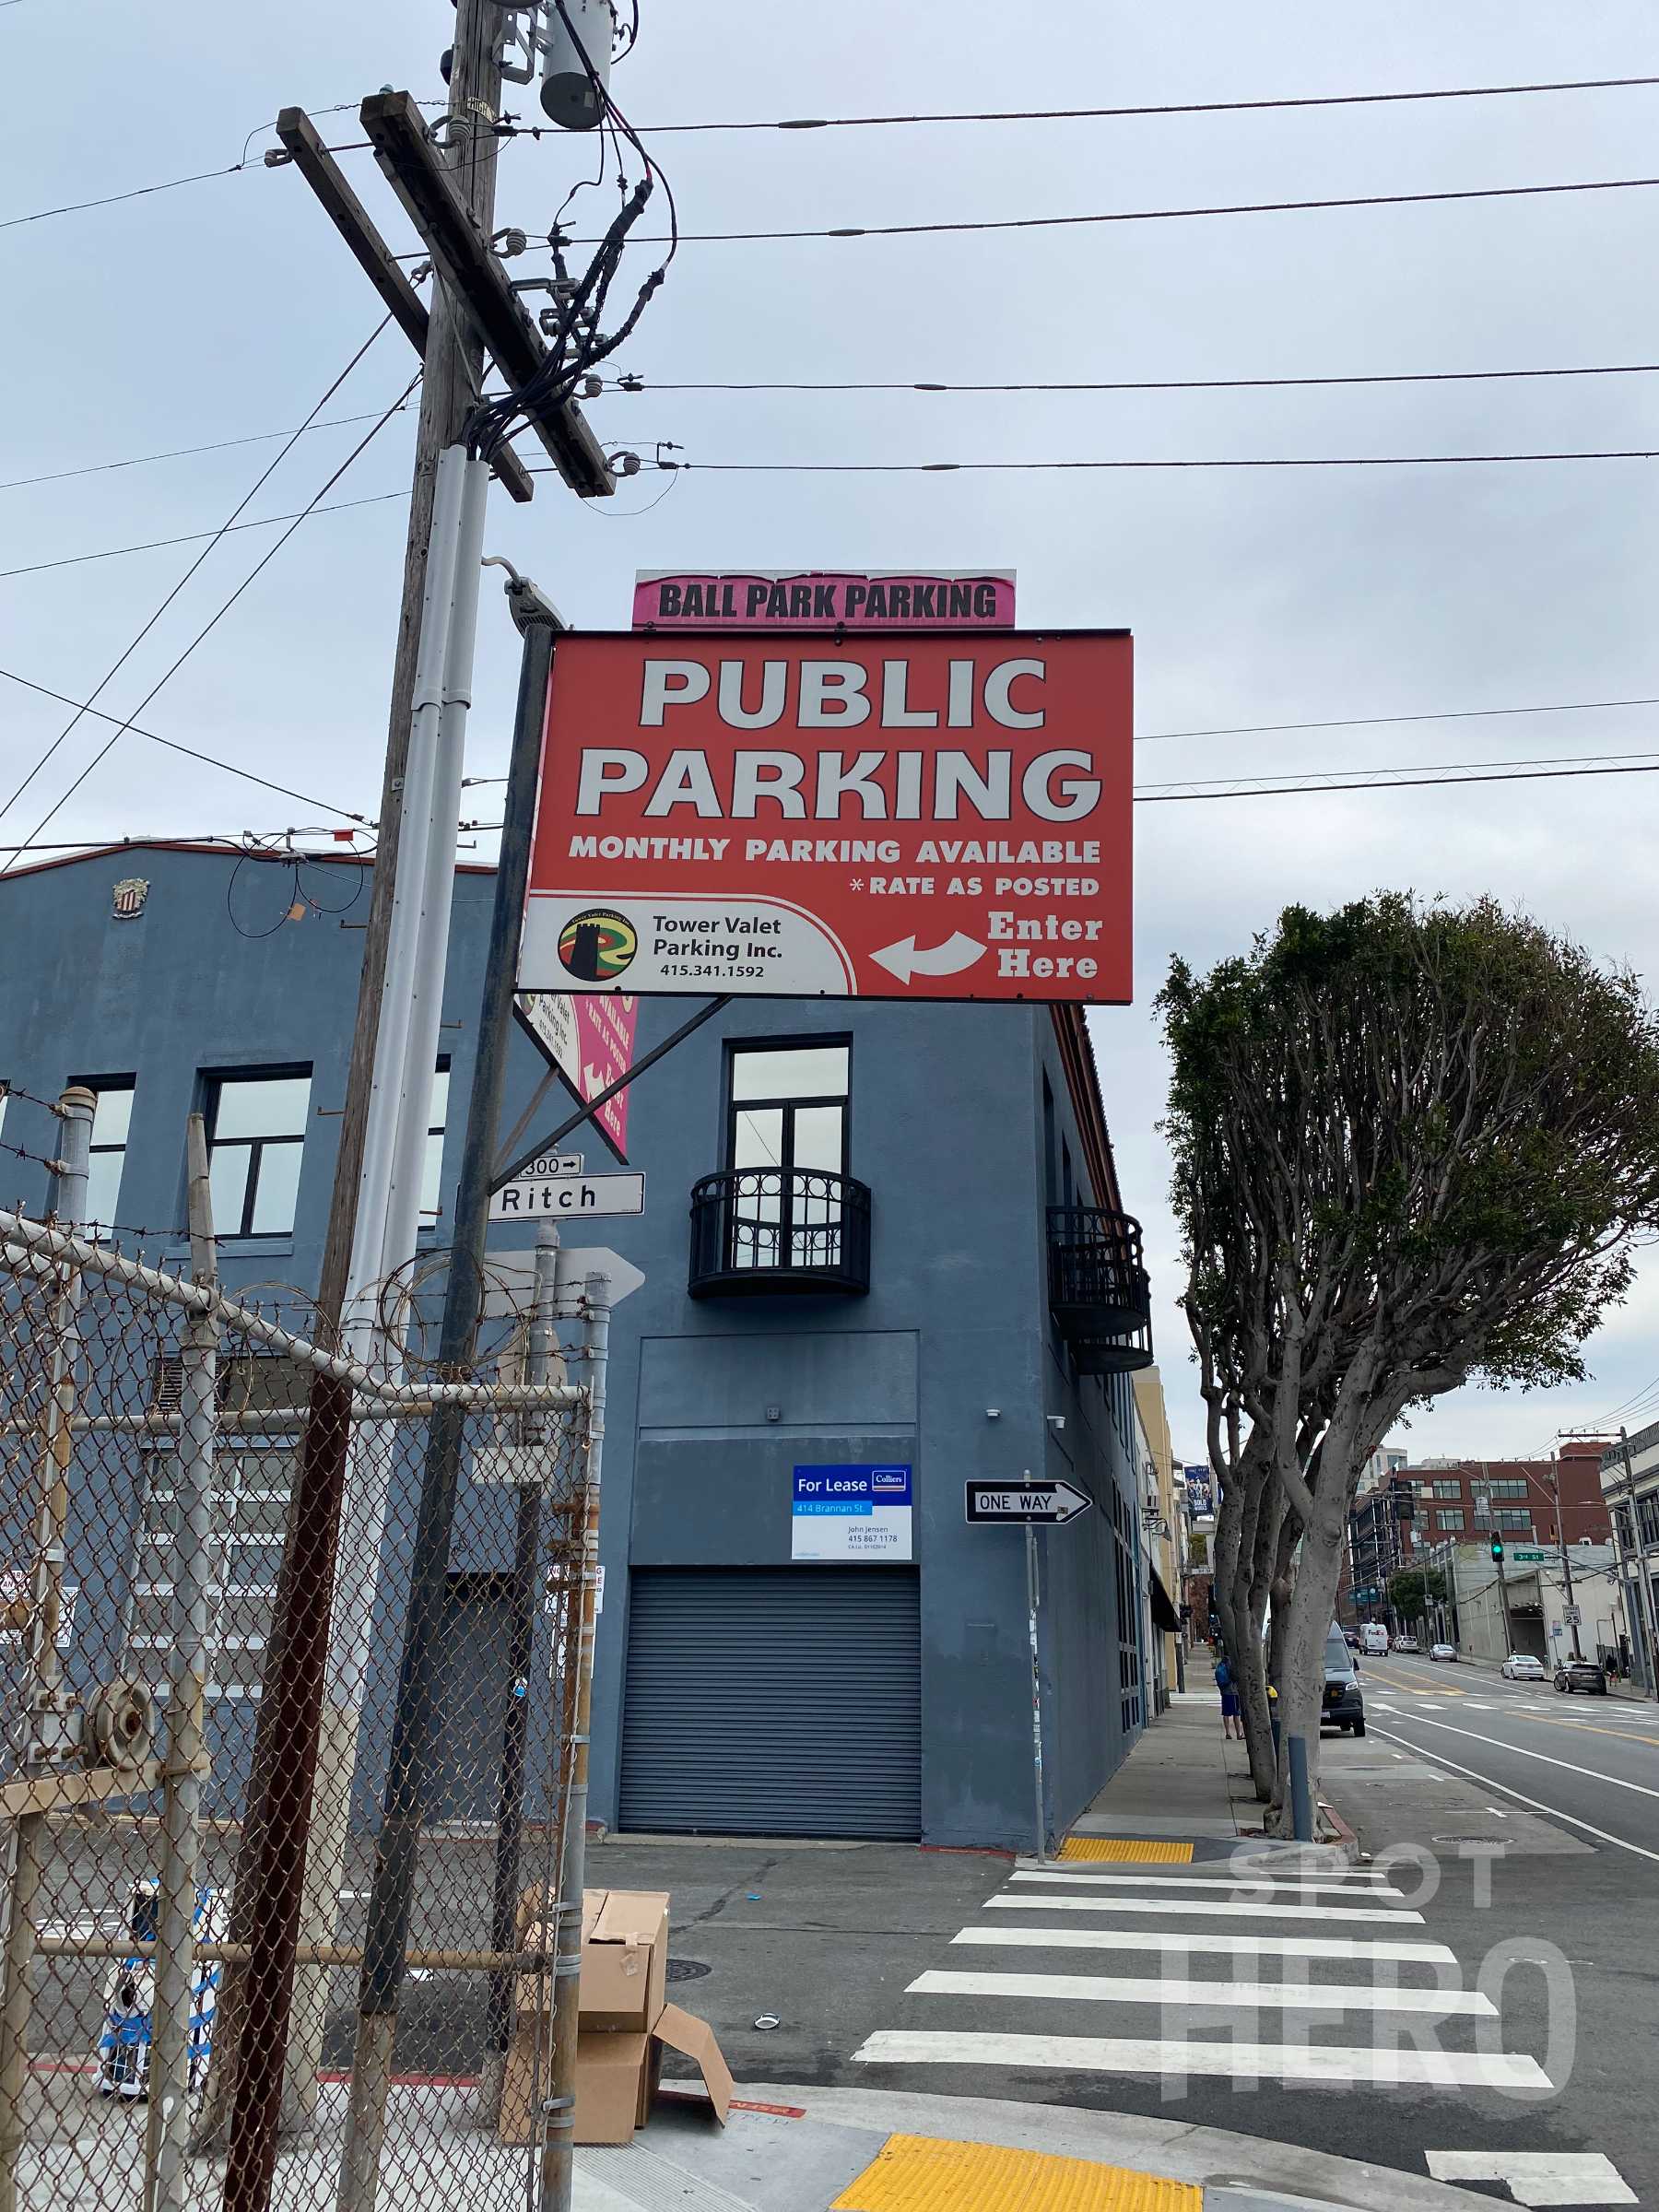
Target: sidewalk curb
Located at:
point(1211, 2158)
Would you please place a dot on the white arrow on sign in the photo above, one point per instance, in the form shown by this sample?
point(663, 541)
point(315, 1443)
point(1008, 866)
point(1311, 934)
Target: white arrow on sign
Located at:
point(1054, 1503)
point(510, 1277)
point(907, 959)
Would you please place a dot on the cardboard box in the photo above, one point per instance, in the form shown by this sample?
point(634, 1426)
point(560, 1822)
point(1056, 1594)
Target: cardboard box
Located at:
point(624, 2025)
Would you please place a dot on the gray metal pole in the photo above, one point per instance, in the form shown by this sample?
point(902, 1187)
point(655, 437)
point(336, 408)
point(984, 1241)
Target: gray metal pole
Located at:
point(1031, 1603)
point(559, 2106)
point(45, 1701)
point(409, 1762)
point(1301, 1800)
point(167, 2131)
point(509, 1809)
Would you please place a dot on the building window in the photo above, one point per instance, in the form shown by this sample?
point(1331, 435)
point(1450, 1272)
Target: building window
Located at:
point(1624, 1528)
point(788, 1115)
point(431, 1174)
point(1647, 1517)
point(1449, 1517)
point(1483, 1515)
point(1449, 1489)
point(1513, 1521)
point(1507, 1486)
point(255, 1142)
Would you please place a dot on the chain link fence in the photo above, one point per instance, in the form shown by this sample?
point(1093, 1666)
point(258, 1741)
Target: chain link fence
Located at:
point(240, 1851)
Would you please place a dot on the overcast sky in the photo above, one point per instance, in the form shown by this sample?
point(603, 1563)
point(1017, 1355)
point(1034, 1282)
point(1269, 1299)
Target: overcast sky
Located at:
point(227, 307)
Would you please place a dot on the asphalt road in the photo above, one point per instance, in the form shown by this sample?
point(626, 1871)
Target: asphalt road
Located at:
point(1589, 1762)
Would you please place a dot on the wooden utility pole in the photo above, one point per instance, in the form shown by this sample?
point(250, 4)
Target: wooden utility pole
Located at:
point(288, 1746)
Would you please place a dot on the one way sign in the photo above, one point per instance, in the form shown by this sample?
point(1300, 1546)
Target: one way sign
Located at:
point(1047, 1502)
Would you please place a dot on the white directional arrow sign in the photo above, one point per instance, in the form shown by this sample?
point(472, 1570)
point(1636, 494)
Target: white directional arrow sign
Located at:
point(1045, 1503)
point(907, 958)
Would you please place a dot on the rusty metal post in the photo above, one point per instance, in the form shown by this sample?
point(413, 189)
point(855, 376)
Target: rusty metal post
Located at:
point(559, 2105)
point(47, 1707)
point(167, 2129)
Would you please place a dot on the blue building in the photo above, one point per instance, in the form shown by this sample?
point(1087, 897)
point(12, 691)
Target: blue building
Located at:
point(883, 1253)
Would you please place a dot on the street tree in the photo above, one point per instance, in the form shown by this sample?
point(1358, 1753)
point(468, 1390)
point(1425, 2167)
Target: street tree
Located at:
point(1412, 1590)
point(1411, 1143)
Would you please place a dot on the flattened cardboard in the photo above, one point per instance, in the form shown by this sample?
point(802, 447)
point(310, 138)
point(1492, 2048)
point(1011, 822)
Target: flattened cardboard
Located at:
point(694, 2039)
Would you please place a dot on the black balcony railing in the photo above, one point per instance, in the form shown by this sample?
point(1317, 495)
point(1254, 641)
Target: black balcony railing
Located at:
point(763, 1229)
point(1099, 1293)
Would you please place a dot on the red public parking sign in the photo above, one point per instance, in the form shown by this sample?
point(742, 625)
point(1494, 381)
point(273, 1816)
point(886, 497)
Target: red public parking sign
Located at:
point(913, 816)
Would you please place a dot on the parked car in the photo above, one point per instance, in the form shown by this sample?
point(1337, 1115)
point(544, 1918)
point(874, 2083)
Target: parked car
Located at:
point(1344, 1704)
point(1580, 1673)
point(1521, 1666)
point(1351, 1638)
point(1443, 1651)
point(1404, 1643)
point(1373, 1640)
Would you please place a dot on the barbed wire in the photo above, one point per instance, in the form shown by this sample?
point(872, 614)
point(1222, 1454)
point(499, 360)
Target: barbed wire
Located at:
point(9, 1090)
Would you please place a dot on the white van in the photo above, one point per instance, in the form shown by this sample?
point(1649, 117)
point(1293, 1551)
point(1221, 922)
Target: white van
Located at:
point(1373, 1640)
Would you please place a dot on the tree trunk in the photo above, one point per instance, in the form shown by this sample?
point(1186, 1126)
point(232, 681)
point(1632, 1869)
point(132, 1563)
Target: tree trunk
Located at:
point(1252, 1663)
point(1312, 1609)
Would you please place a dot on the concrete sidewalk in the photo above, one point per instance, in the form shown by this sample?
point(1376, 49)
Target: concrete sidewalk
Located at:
point(1184, 1779)
point(794, 2149)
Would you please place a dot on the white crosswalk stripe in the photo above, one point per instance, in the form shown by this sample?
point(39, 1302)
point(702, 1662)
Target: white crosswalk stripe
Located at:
point(1538, 2177)
point(1270, 1975)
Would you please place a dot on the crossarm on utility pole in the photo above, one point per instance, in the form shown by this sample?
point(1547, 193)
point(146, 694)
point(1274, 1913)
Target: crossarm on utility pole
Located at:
point(601, 1098)
point(376, 258)
point(461, 254)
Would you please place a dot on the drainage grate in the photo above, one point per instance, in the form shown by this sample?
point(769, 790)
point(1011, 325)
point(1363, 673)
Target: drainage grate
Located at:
point(686, 1969)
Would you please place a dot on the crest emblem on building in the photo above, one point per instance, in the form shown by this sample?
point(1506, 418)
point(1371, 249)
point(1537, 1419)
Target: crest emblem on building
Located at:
point(128, 897)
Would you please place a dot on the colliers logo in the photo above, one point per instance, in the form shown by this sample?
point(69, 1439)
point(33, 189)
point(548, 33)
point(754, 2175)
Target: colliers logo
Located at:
point(597, 945)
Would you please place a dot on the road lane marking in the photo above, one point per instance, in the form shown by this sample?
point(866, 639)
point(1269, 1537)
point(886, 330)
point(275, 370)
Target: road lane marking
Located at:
point(1370, 1886)
point(1251, 2062)
point(1279, 1996)
point(1352, 1947)
point(1560, 1720)
point(1537, 1805)
point(1520, 1750)
point(1198, 1904)
point(1538, 2177)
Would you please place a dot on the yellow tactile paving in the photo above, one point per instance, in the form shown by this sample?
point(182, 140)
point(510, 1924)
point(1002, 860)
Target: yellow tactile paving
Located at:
point(1125, 1848)
point(921, 2174)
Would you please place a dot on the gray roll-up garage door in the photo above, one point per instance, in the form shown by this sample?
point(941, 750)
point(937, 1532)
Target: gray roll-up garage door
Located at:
point(773, 1701)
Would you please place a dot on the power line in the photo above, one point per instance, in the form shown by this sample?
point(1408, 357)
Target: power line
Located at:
point(1145, 215)
point(1371, 721)
point(192, 537)
point(219, 614)
point(112, 199)
point(221, 446)
point(1292, 779)
point(906, 468)
point(173, 746)
point(1198, 383)
point(1193, 107)
point(1400, 782)
point(157, 612)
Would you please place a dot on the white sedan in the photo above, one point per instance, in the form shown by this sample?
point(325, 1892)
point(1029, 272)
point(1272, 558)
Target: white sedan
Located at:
point(1443, 1651)
point(1521, 1666)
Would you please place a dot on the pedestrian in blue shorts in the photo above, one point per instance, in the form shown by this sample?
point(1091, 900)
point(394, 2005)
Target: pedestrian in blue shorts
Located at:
point(1233, 1717)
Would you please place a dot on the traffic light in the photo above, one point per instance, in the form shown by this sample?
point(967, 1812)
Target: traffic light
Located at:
point(1497, 1549)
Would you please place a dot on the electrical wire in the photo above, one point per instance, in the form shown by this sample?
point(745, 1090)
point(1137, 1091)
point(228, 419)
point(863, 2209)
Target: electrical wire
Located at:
point(185, 452)
point(1402, 782)
point(930, 469)
point(633, 383)
point(169, 745)
point(1149, 215)
point(1371, 721)
point(192, 537)
point(1193, 107)
point(154, 616)
point(219, 613)
point(1291, 778)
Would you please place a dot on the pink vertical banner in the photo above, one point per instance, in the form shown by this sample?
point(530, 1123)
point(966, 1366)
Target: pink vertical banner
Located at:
point(606, 1022)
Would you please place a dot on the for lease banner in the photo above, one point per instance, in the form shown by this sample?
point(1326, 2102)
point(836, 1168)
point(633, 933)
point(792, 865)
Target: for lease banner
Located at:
point(914, 817)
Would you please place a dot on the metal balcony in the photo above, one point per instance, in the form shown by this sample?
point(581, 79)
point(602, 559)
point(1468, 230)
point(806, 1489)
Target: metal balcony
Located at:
point(760, 1231)
point(1099, 1293)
